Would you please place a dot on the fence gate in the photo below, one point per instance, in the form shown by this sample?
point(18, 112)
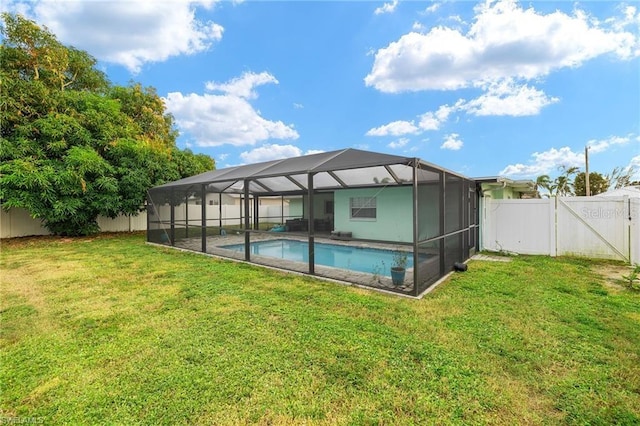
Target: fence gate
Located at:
point(593, 227)
point(596, 227)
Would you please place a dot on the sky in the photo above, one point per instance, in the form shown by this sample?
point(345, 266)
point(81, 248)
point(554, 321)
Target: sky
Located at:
point(488, 88)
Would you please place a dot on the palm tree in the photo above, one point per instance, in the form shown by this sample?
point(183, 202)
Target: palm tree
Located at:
point(544, 182)
point(621, 177)
point(560, 186)
point(564, 182)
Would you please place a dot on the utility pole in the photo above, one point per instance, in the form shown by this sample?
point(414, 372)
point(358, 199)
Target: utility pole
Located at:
point(586, 173)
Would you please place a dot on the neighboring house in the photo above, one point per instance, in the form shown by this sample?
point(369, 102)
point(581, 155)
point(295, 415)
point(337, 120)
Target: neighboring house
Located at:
point(501, 188)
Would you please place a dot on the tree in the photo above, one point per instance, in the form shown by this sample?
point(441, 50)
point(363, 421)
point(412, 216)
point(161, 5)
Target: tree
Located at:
point(621, 177)
point(32, 53)
point(561, 185)
point(544, 182)
point(597, 184)
point(564, 185)
point(145, 107)
point(72, 146)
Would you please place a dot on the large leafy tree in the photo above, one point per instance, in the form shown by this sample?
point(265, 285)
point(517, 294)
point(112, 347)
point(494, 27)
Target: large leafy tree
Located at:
point(72, 145)
point(597, 184)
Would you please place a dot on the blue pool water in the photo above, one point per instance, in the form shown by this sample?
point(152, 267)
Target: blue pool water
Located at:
point(361, 259)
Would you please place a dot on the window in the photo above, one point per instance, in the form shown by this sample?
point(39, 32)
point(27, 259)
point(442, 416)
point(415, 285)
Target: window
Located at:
point(213, 202)
point(363, 207)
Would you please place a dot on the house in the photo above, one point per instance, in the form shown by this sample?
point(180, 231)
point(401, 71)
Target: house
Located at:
point(502, 188)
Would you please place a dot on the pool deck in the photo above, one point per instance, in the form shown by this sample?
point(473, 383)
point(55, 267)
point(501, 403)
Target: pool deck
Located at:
point(215, 243)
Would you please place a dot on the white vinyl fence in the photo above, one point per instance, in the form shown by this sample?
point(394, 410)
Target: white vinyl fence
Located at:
point(18, 223)
point(596, 227)
point(228, 215)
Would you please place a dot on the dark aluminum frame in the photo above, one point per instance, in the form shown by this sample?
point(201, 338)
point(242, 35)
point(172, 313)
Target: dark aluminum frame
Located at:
point(247, 182)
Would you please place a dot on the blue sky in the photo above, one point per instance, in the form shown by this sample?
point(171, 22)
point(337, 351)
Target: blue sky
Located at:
point(482, 88)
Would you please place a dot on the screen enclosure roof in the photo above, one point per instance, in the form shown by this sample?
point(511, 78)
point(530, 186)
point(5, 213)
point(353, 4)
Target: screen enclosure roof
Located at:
point(347, 168)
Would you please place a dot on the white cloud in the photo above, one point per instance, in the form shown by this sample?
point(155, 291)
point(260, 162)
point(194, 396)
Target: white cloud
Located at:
point(386, 8)
point(452, 142)
point(433, 8)
point(428, 121)
point(507, 98)
point(214, 120)
point(596, 146)
point(417, 26)
point(273, 152)
point(399, 143)
point(545, 162)
point(631, 17)
point(395, 128)
point(298, 106)
point(433, 120)
point(127, 33)
point(504, 41)
point(501, 98)
point(243, 86)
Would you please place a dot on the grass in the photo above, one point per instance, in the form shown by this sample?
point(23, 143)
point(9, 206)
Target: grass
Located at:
point(109, 330)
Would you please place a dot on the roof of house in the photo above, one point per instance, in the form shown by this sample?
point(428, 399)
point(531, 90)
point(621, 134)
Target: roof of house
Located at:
point(524, 185)
point(632, 191)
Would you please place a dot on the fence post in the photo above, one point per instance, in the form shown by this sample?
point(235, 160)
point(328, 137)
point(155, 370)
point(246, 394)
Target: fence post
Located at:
point(634, 229)
point(553, 226)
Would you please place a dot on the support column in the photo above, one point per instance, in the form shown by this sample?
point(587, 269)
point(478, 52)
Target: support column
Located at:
point(416, 265)
point(443, 197)
point(172, 230)
point(312, 260)
point(149, 207)
point(247, 240)
point(220, 212)
point(203, 222)
point(186, 215)
point(256, 210)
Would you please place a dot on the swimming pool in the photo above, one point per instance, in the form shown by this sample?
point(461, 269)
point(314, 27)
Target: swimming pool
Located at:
point(361, 259)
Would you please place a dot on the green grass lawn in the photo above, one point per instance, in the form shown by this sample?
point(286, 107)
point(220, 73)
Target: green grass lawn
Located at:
point(109, 330)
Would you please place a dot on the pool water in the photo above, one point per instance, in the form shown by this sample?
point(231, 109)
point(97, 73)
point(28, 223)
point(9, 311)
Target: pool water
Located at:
point(361, 259)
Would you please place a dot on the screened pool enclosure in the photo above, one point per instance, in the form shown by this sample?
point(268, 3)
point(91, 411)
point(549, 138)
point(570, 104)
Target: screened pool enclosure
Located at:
point(349, 215)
